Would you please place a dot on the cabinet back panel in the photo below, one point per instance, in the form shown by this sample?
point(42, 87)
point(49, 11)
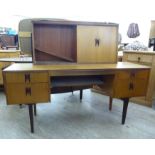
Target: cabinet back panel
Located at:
point(55, 41)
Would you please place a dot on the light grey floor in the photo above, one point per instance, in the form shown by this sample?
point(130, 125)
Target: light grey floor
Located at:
point(66, 117)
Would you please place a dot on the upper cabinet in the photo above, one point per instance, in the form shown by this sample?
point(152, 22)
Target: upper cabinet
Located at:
point(97, 44)
point(74, 42)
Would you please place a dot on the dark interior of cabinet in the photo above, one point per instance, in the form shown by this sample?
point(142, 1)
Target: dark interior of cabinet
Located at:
point(54, 43)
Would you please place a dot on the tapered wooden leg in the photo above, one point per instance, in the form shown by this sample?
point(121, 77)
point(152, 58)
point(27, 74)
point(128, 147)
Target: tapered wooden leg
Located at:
point(125, 107)
point(35, 109)
point(110, 103)
point(81, 93)
point(31, 117)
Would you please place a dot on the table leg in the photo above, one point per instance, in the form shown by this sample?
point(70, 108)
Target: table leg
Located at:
point(125, 107)
point(31, 117)
point(110, 103)
point(35, 109)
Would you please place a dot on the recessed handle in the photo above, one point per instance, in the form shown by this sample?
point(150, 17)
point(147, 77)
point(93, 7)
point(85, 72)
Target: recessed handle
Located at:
point(131, 86)
point(27, 78)
point(139, 59)
point(28, 91)
point(97, 42)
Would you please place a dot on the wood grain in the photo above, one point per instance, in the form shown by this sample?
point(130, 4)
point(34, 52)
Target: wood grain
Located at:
point(89, 52)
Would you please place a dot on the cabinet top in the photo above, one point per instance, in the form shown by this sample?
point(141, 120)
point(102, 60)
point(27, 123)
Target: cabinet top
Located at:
point(69, 22)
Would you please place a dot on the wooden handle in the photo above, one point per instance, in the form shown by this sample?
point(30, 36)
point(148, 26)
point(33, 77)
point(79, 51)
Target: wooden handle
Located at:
point(131, 86)
point(27, 78)
point(97, 42)
point(28, 91)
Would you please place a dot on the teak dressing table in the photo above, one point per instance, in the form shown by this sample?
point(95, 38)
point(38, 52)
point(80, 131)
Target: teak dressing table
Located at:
point(34, 83)
point(73, 56)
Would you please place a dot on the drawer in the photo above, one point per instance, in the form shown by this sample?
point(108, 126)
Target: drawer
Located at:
point(24, 93)
point(123, 75)
point(26, 77)
point(140, 74)
point(122, 89)
point(146, 58)
point(126, 88)
point(2, 66)
point(133, 57)
point(140, 58)
point(131, 87)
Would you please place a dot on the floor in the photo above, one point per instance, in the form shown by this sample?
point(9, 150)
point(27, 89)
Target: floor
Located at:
point(67, 118)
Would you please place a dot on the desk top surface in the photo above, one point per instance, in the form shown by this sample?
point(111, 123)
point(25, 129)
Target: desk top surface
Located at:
point(73, 67)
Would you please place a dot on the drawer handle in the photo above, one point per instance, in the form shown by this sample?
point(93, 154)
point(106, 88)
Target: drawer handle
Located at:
point(27, 78)
point(131, 87)
point(139, 59)
point(28, 91)
point(97, 42)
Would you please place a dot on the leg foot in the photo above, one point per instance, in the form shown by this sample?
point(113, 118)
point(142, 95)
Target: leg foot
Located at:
point(72, 90)
point(81, 93)
point(20, 106)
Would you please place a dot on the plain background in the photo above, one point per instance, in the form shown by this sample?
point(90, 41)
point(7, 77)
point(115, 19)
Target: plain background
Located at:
point(123, 12)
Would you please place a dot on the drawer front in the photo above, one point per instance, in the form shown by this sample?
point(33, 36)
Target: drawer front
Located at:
point(126, 88)
point(122, 89)
point(146, 58)
point(133, 57)
point(2, 66)
point(139, 58)
point(26, 77)
point(130, 83)
point(140, 74)
point(24, 94)
point(123, 75)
